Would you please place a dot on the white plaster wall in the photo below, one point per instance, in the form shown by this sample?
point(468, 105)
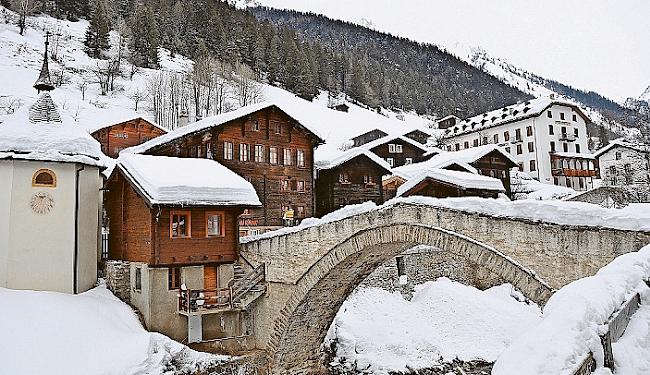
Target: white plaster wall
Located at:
point(639, 164)
point(6, 181)
point(90, 183)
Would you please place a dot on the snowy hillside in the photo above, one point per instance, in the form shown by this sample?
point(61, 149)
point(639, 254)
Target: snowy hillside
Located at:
point(78, 93)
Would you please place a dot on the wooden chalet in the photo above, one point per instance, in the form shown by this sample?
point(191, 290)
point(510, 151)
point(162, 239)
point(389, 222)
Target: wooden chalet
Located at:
point(418, 136)
point(351, 178)
point(368, 137)
point(397, 150)
point(263, 144)
point(487, 160)
point(115, 138)
point(448, 122)
point(179, 232)
point(444, 183)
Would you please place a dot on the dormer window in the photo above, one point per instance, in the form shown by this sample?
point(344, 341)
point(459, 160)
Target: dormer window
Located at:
point(44, 178)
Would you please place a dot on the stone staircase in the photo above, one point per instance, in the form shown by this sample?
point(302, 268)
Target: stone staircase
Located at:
point(247, 287)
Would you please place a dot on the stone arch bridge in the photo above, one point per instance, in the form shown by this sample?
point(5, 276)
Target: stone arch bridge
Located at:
point(310, 272)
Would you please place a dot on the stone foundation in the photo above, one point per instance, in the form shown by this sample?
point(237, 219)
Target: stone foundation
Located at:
point(118, 279)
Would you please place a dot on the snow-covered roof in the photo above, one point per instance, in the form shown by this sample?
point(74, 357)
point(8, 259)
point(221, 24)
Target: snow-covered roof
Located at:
point(40, 132)
point(122, 118)
point(464, 180)
point(446, 158)
point(186, 181)
point(448, 117)
point(391, 138)
point(210, 122)
point(351, 154)
point(575, 155)
point(622, 143)
point(516, 112)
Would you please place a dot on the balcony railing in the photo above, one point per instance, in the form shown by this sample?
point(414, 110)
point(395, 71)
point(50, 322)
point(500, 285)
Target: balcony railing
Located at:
point(567, 137)
point(204, 301)
point(568, 172)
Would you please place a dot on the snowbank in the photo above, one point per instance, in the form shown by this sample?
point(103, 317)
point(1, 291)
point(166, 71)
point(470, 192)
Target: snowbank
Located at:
point(573, 319)
point(89, 333)
point(445, 320)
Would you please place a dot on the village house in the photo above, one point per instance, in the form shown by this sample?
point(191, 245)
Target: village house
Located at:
point(350, 178)
point(448, 122)
point(626, 165)
point(116, 137)
point(547, 138)
point(488, 160)
point(178, 234)
point(418, 136)
point(50, 198)
point(444, 183)
point(368, 137)
point(397, 150)
point(263, 144)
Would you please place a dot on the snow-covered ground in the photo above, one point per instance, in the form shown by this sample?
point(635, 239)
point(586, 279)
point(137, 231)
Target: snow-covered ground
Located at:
point(89, 333)
point(444, 320)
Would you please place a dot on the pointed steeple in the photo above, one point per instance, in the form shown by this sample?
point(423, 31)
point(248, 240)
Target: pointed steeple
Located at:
point(44, 83)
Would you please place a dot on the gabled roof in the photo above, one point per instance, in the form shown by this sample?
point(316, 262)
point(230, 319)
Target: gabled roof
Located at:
point(505, 115)
point(463, 180)
point(391, 138)
point(622, 143)
point(99, 126)
point(210, 122)
point(352, 154)
point(462, 157)
point(383, 133)
point(163, 180)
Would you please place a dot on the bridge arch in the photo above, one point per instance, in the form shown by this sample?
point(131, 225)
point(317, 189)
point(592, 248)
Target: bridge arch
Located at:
point(301, 325)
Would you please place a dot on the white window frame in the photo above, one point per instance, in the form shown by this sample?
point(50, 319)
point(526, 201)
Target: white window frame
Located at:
point(228, 150)
point(244, 152)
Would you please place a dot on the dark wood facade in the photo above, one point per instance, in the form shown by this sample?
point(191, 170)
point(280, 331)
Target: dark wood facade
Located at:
point(418, 136)
point(438, 189)
point(140, 233)
point(357, 180)
point(398, 152)
point(268, 148)
point(497, 165)
point(368, 137)
point(115, 138)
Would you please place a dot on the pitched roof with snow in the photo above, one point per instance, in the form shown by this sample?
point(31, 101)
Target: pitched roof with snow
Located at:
point(351, 154)
point(186, 181)
point(391, 138)
point(444, 159)
point(505, 115)
point(210, 122)
point(96, 126)
point(622, 143)
point(463, 180)
point(39, 132)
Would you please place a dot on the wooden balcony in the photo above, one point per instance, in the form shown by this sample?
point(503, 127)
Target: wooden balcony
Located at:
point(567, 172)
point(204, 301)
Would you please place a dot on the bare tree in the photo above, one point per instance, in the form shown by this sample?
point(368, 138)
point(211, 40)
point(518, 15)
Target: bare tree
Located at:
point(82, 86)
point(247, 89)
point(137, 96)
point(10, 104)
point(24, 8)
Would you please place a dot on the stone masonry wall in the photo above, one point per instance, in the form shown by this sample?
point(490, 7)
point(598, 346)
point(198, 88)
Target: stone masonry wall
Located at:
point(118, 276)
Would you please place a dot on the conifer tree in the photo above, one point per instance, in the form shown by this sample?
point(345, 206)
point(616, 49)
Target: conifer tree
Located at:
point(603, 137)
point(97, 35)
point(145, 38)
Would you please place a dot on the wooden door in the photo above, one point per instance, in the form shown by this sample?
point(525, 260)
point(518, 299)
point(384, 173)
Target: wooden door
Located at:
point(210, 277)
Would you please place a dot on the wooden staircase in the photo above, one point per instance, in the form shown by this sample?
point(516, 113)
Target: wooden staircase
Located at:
point(247, 287)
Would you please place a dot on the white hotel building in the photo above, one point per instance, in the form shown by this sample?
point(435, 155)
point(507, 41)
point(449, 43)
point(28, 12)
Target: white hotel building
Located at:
point(547, 137)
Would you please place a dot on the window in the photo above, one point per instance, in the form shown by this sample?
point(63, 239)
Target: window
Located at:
point(521, 166)
point(44, 178)
point(394, 148)
point(485, 140)
point(227, 150)
point(457, 146)
point(367, 180)
point(568, 182)
point(476, 142)
point(300, 158)
point(180, 225)
point(278, 127)
point(577, 148)
point(552, 146)
point(529, 131)
point(138, 278)
point(300, 211)
point(618, 156)
point(565, 147)
point(122, 135)
point(508, 149)
point(408, 161)
point(255, 126)
point(627, 168)
point(506, 136)
point(466, 144)
point(575, 118)
point(496, 138)
point(549, 114)
point(284, 185)
point(519, 150)
point(259, 153)
point(398, 149)
point(581, 182)
point(401, 266)
point(518, 134)
point(214, 224)
point(244, 152)
point(551, 130)
point(287, 156)
point(564, 130)
point(300, 186)
point(531, 147)
point(390, 162)
point(208, 151)
point(575, 132)
point(532, 166)
point(198, 151)
point(273, 155)
point(561, 116)
point(173, 278)
point(343, 178)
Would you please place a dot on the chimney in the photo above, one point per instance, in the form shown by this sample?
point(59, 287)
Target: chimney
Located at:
point(182, 119)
